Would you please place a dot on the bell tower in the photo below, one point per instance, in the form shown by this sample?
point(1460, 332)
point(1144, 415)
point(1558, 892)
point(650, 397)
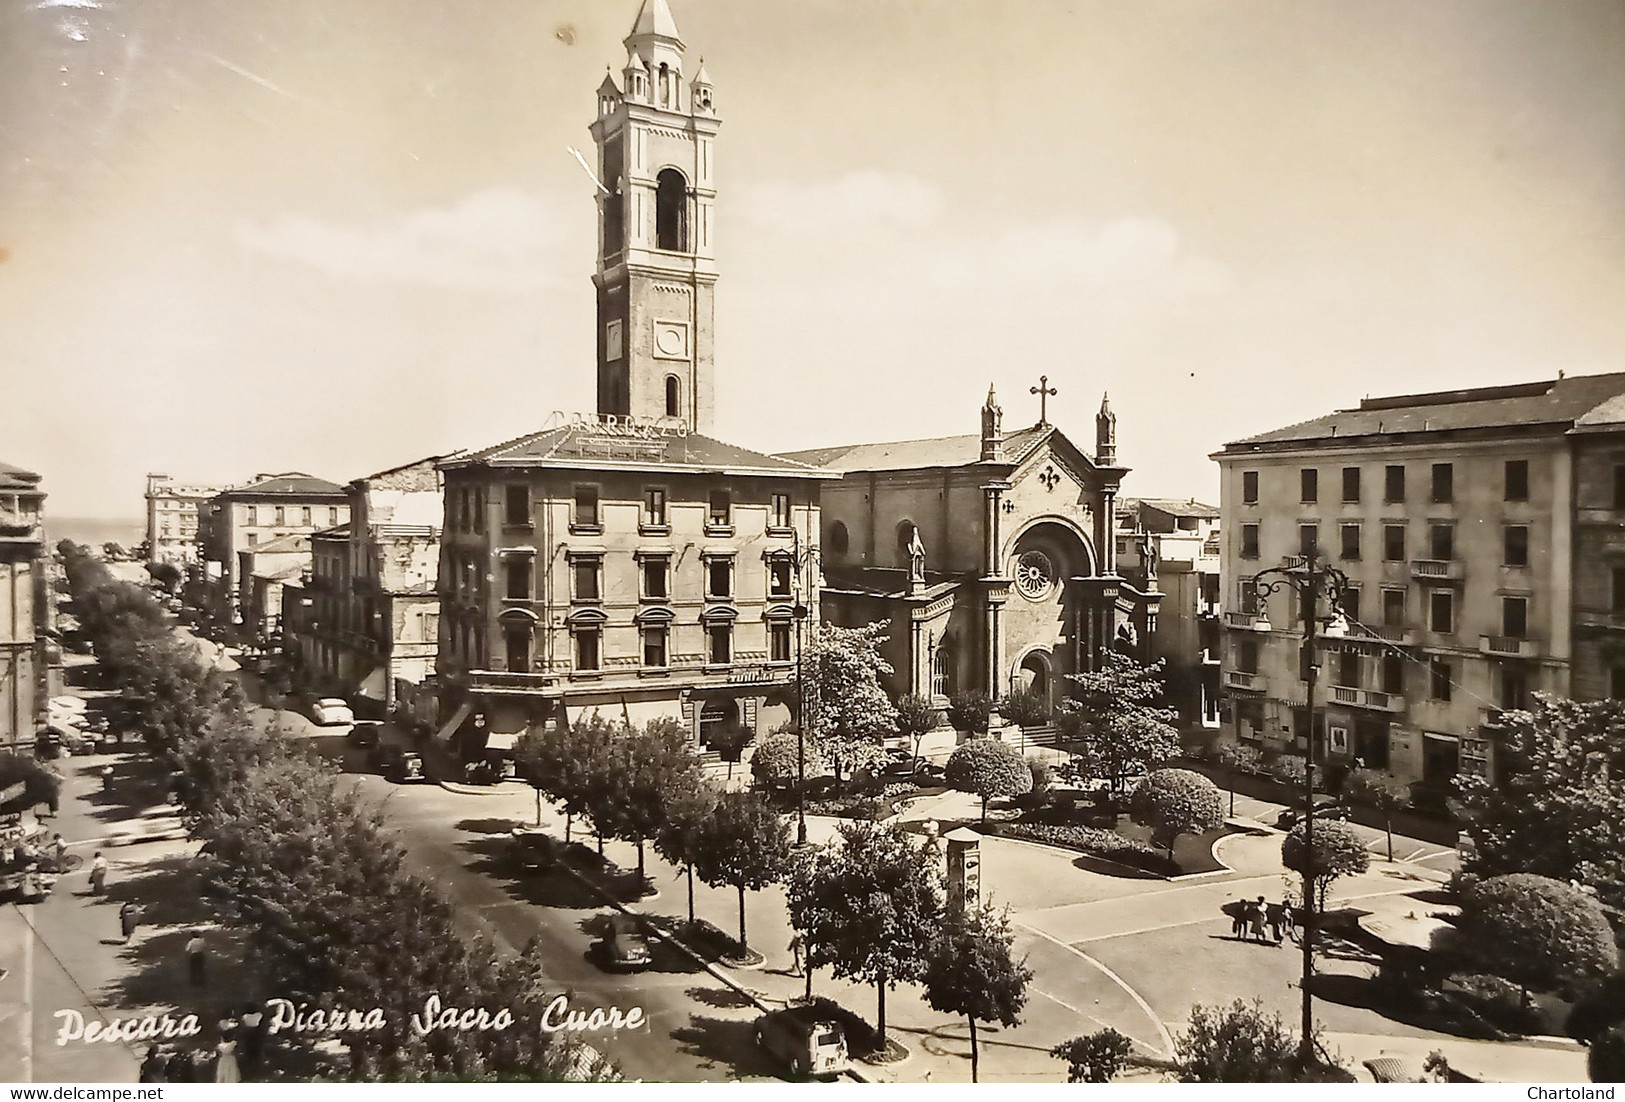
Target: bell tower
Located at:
point(656, 270)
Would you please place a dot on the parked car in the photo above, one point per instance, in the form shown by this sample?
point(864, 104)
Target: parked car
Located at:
point(364, 735)
point(803, 1039)
point(533, 850)
point(1326, 807)
point(623, 948)
point(330, 711)
point(401, 765)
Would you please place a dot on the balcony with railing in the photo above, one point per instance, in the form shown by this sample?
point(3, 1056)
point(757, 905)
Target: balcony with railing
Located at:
point(1245, 621)
point(508, 681)
point(1437, 570)
point(1246, 682)
point(1399, 634)
point(20, 526)
point(1508, 646)
point(1372, 699)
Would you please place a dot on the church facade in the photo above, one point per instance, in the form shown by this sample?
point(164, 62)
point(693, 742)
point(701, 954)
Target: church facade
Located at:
point(991, 555)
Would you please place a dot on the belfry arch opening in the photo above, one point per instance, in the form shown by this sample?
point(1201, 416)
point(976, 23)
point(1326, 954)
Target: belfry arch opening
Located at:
point(671, 211)
point(674, 396)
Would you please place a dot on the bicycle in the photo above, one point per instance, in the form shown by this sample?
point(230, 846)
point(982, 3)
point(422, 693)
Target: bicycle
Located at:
point(69, 863)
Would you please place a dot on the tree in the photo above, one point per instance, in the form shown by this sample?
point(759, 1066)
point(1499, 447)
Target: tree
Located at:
point(1235, 758)
point(1605, 1062)
point(1558, 799)
point(571, 764)
point(1126, 733)
point(969, 971)
point(847, 711)
point(1338, 852)
point(1240, 1044)
point(1383, 791)
point(989, 769)
point(729, 741)
point(1177, 801)
point(1025, 708)
point(968, 711)
point(745, 843)
point(654, 767)
point(166, 574)
point(916, 718)
point(869, 904)
point(39, 784)
point(1096, 1058)
point(1536, 931)
point(685, 814)
point(777, 760)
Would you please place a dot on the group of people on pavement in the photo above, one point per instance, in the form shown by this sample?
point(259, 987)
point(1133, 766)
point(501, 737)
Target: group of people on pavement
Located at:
point(37, 863)
point(236, 1054)
point(1249, 918)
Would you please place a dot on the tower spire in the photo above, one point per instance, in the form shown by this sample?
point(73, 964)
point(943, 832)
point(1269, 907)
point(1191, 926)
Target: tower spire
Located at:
point(1105, 434)
point(992, 428)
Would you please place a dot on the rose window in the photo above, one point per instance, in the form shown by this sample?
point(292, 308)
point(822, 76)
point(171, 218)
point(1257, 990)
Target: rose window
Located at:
point(1035, 575)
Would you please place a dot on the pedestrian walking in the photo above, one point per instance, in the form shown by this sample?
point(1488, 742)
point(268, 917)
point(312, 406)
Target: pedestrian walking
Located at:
point(1275, 915)
point(107, 777)
point(196, 952)
point(795, 954)
point(98, 874)
point(128, 919)
point(1246, 913)
point(59, 852)
point(1256, 918)
point(1238, 918)
point(226, 1069)
point(250, 1039)
point(154, 1066)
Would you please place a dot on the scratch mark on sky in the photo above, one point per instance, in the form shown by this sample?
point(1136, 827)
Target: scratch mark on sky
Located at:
point(255, 77)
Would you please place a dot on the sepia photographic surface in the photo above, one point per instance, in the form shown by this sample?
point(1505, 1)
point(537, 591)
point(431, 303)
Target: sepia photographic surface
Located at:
point(748, 540)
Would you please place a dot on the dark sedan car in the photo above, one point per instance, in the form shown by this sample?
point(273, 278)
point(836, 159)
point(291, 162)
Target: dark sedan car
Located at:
point(623, 948)
point(1326, 807)
point(364, 735)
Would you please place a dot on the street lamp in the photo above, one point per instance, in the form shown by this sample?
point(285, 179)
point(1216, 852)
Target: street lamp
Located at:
point(1309, 579)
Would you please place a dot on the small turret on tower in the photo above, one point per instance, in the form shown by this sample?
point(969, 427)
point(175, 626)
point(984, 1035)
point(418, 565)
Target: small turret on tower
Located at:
point(992, 428)
point(700, 93)
point(636, 75)
point(609, 96)
point(1105, 434)
point(656, 40)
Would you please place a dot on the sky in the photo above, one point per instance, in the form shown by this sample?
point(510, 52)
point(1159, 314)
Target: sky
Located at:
point(241, 236)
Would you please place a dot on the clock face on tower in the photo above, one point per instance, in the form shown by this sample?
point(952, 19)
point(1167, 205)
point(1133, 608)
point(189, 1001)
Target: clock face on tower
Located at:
point(671, 340)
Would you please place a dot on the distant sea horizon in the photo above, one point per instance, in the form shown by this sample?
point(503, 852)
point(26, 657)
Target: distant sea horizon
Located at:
point(95, 531)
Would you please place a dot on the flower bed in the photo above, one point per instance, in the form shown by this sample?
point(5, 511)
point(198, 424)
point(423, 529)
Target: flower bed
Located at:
point(1105, 844)
point(874, 807)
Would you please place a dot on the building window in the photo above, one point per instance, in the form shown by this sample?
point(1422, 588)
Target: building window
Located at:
point(587, 647)
point(1249, 541)
point(839, 541)
point(654, 646)
point(778, 640)
point(585, 512)
point(1351, 540)
point(253, 515)
point(516, 569)
point(1617, 605)
point(942, 672)
point(1308, 484)
point(1616, 682)
point(1308, 538)
point(1441, 611)
point(1442, 541)
point(585, 570)
point(1619, 486)
point(253, 538)
point(656, 570)
point(1393, 483)
point(1351, 484)
point(1350, 605)
point(1514, 617)
point(719, 644)
point(280, 515)
point(781, 512)
point(671, 211)
point(479, 508)
point(779, 575)
point(719, 574)
point(1393, 543)
point(719, 510)
point(1249, 487)
point(1247, 596)
point(304, 515)
point(1439, 679)
point(1517, 545)
point(1514, 687)
point(1393, 674)
point(516, 640)
point(1444, 483)
point(1247, 656)
point(516, 505)
point(1517, 480)
point(1348, 669)
point(332, 515)
point(654, 507)
point(674, 397)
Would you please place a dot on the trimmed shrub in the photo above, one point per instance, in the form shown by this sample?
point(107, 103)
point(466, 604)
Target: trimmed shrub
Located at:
point(968, 711)
point(1538, 932)
point(1025, 708)
point(774, 762)
point(989, 769)
point(1177, 801)
point(1338, 852)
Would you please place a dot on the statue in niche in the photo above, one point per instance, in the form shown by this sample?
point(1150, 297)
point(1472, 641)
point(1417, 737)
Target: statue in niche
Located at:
point(916, 557)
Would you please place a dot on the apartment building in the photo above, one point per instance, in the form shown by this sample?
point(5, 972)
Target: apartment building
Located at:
point(172, 518)
point(25, 653)
point(269, 507)
point(1479, 531)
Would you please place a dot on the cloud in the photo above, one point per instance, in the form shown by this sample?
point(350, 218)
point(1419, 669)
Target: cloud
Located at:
point(499, 239)
point(868, 197)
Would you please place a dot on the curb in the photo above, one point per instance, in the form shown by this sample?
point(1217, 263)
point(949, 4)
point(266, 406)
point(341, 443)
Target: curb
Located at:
point(596, 888)
point(501, 788)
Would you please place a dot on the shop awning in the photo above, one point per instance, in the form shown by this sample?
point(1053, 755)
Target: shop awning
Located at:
point(634, 713)
point(372, 686)
point(454, 722)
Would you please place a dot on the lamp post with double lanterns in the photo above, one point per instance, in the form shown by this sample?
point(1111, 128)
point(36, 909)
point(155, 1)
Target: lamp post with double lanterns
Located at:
point(1311, 580)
